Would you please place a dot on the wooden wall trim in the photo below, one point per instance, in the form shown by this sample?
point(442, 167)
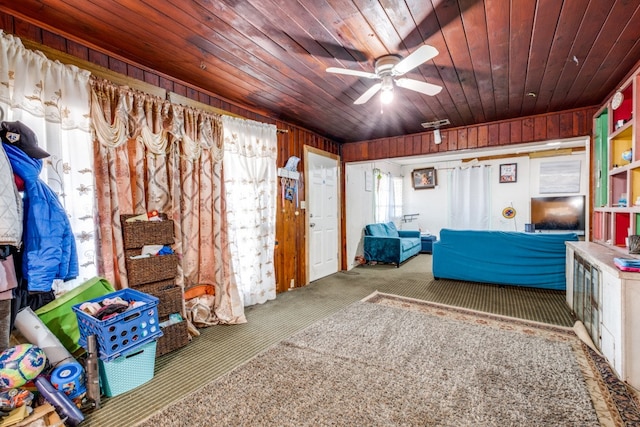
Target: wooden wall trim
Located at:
point(543, 127)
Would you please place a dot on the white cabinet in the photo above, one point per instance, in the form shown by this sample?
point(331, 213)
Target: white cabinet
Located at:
point(611, 327)
point(631, 331)
point(618, 302)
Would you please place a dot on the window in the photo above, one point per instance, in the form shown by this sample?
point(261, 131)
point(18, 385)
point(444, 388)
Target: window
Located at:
point(388, 197)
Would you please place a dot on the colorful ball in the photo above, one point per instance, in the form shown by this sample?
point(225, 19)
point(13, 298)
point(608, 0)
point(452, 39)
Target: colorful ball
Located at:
point(20, 364)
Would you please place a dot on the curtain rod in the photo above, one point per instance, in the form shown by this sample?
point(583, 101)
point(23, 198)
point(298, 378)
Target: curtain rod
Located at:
point(462, 167)
point(282, 130)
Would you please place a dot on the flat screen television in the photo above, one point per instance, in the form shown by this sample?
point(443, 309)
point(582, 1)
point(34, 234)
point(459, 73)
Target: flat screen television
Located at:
point(559, 213)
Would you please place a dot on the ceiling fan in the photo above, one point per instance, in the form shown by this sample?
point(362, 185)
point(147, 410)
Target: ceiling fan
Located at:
point(388, 69)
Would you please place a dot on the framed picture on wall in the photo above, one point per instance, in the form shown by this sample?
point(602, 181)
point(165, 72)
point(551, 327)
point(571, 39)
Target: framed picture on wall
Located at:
point(424, 178)
point(508, 172)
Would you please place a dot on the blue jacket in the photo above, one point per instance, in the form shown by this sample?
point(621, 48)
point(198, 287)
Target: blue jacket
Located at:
point(49, 246)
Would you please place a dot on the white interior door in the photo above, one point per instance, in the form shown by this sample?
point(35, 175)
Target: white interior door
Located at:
point(322, 215)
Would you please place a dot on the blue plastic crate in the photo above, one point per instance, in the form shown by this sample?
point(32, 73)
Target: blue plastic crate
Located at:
point(125, 331)
point(128, 371)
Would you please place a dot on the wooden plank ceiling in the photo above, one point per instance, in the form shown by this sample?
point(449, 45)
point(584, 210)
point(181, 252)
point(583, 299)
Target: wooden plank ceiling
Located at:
point(498, 59)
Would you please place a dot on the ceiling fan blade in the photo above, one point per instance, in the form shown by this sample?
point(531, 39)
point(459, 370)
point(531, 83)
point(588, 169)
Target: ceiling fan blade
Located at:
point(327, 49)
point(368, 94)
point(419, 56)
point(351, 72)
point(418, 86)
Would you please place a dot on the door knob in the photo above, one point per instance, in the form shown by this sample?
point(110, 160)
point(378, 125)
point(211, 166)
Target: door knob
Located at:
point(312, 225)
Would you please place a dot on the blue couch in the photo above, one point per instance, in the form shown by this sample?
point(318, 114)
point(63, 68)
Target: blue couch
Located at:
point(383, 242)
point(502, 257)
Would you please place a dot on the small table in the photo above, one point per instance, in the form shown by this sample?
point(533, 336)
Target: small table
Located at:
point(426, 240)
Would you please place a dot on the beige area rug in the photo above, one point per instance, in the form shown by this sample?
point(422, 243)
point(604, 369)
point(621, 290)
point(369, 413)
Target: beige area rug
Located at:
point(390, 361)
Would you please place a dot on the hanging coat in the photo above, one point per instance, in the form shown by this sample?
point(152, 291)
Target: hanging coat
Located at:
point(10, 205)
point(49, 245)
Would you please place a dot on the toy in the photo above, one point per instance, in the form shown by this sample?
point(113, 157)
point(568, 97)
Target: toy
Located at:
point(14, 398)
point(63, 404)
point(70, 379)
point(20, 364)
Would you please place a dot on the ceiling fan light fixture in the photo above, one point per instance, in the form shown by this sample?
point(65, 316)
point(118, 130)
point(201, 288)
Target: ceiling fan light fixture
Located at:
point(386, 90)
point(386, 96)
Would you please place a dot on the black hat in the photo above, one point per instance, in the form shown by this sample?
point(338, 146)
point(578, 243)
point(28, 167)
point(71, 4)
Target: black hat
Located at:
point(22, 137)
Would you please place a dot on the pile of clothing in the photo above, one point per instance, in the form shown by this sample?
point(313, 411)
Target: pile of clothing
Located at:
point(109, 307)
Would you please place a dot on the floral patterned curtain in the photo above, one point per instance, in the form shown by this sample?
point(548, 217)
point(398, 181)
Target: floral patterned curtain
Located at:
point(250, 151)
point(52, 99)
point(151, 154)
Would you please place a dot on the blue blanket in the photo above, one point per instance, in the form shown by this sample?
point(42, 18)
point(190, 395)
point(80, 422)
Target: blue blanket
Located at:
point(502, 257)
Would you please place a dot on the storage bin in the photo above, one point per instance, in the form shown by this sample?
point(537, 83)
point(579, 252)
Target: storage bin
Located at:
point(139, 233)
point(60, 317)
point(150, 269)
point(173, 337)
point(124, 331)
point(169, 294)
point(128, 371)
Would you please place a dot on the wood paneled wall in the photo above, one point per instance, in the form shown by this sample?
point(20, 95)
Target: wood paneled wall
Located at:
point(290, 255)
point(565, 124)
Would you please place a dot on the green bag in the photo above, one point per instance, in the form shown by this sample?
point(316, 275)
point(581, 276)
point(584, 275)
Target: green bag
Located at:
point(59, 316)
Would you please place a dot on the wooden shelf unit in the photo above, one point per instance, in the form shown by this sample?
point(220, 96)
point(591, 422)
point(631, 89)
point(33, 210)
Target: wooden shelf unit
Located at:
point(617, 180)
point(604, 298)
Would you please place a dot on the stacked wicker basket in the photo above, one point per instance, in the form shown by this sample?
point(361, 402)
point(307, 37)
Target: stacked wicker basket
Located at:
point(156, 275)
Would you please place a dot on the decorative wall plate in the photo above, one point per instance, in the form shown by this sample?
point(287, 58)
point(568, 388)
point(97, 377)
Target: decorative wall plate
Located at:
point(618, 97)
point(509, 213)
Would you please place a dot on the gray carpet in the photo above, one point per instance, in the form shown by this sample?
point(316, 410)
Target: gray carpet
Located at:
point(221, 348)
point(401, 364)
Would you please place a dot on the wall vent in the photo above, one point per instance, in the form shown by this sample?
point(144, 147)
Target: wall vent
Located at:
point(436, 124)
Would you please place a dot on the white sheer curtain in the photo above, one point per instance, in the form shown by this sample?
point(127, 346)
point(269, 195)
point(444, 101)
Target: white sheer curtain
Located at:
point(397, 183)
point(250, 179)
point(470, 198)
point(388, 197)
point(53, 100)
